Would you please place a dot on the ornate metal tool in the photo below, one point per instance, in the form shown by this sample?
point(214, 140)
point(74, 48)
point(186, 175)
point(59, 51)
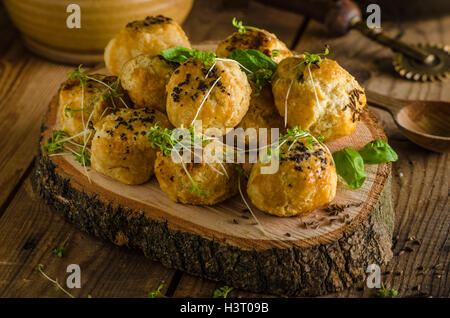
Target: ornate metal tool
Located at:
point(424, 62)
point(418, 62)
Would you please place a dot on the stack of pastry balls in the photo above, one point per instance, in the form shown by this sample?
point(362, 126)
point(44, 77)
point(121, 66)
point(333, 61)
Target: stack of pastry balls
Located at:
point(167, 94)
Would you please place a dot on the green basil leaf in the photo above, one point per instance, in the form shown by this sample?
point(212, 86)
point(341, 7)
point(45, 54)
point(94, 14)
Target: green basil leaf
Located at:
point(253, 60)
point(350, 166)
point(177, 54)
point(181, 54)
point(378, 151)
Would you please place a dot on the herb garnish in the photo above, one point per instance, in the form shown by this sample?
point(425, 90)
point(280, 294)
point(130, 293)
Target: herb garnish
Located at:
point(179, 54)
point(55, 143)
point(242, 28)
point(383, 292)
point(113, 88)
point(70, 110)
point(350, 166)
point(54, 281)
point(157, 293)
point(350, 163)
point(315, 58)
point(378, 151)
point(82, 156)
point(258, 67)
point(58, 251)
point(222, 292)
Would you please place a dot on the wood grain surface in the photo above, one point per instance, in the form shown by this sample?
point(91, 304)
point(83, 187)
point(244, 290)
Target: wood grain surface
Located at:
point(306, 256)
point(29, 230)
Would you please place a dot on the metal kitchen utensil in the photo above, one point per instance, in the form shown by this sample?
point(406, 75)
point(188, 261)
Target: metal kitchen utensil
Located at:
point(418, 62)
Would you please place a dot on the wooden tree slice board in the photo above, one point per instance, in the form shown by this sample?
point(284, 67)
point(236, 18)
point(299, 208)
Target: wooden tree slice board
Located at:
point(312, 255)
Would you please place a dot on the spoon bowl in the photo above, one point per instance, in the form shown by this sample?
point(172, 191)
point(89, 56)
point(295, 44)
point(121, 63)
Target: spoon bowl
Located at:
point(426, 123)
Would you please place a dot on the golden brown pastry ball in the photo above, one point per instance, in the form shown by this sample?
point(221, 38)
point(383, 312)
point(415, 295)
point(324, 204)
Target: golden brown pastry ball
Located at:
point(262, 113)
point(306, 179)
point(340, 96)
point(149, 36)
point(120, 148)
point(145, 78)
point(263, 41)
point(97, 103)
point(215, 185)
point(226, 104)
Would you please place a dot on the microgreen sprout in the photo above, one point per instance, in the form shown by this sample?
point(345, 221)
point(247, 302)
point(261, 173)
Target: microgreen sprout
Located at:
point(82, 156)
point(157, 293)
point(222, 292)
point(261, 78)
point(315, 58)
point(242, 28)
point(70, 110)
point(58, 251)
point(54, 281)
point(383, 292)
point(208, 58)
point(113, 89)
point(79, 75)
point(55, 143)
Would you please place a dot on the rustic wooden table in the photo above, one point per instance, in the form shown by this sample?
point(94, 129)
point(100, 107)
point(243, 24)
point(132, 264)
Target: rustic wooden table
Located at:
point(29, 230)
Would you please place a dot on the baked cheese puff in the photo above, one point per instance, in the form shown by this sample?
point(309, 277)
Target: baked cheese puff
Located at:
point(305, 180)
point(120, 148)
point(261, 113)
point(218, 95)
point(214, 182)
point(145, 78)
point(326, 102)
point(80, 109)
point(149, 36)
point(261, 40)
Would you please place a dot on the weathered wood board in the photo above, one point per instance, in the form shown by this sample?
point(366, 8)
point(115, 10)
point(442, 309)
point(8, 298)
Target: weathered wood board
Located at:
point(219, 242)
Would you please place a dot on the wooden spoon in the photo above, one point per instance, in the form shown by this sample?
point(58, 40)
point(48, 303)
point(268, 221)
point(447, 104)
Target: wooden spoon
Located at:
point(426, 123)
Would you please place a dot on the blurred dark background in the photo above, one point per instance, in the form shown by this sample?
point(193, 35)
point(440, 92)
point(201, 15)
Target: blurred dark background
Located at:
point(392, 10)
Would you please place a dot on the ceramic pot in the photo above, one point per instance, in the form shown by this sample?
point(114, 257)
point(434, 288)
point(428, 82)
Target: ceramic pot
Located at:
point(43, 24)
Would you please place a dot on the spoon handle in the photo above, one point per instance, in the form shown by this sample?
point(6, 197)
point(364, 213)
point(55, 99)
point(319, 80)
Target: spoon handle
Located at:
point(393, 105)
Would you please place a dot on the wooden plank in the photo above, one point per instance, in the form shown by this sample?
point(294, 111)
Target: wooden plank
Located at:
point(27, 84)
point(192, 287)
point(29, 231)
point(421, 178)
